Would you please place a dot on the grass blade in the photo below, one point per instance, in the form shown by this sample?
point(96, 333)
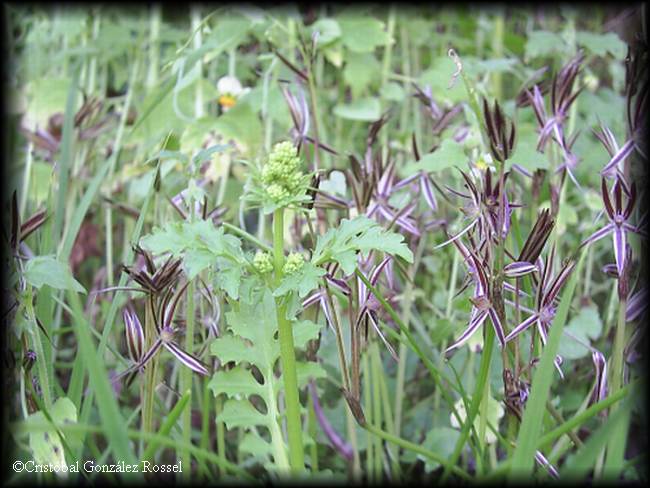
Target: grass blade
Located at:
point(524, 456)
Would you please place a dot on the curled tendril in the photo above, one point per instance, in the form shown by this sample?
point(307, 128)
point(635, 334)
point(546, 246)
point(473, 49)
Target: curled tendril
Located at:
point(459, 67)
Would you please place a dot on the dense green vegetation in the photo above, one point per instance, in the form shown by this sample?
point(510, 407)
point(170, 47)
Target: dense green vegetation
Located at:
point(346, 244)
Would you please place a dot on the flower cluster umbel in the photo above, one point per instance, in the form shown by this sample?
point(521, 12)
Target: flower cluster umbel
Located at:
point(279, 182)
point(281, 175)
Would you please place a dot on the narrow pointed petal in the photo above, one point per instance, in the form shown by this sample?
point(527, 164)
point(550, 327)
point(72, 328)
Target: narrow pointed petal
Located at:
point(636, 304)
point(474, 324)
point(388, 345)
point(427, 190)
point(457, 235)
point(600, 386)
point(623, 152)
point(134, 335)
point(619, 238)
point(150, 353)
point(518, 268)
point(599, 234)
point(522, 327)
point(498, 328)
point(542, 461)
point(186, 358)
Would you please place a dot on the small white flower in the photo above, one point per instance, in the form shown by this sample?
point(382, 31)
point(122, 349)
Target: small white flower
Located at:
point(229, 85)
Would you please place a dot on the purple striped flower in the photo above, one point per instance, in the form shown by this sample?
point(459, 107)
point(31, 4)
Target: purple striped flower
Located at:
point(369, 305)
point(618, 215)
point(518, 269)
point(163, 319)
point(551, 125)
point(617, 155)
point(637, 304)
point(600, 387)
point(134, 335)
point(482, 306)
point(548, 289)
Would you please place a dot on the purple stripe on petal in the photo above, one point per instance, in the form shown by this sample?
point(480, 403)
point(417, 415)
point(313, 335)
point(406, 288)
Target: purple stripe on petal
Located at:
point(600, 387)
point(427, 191)
point(599, 234)
point(522, 327)
point(134, 335)
point(619, 249)
point(498, 328)
point(405, 181)
point(474, 324)
point(150, 353)
point(542, 461)
point(311, 299)
point(186, 358)
point(388, 345)
point(637, 304)
point(521, 170)
point(622, 153)
point(339, 284)
point(518, 268)
point(326, 311)
point(457, 235)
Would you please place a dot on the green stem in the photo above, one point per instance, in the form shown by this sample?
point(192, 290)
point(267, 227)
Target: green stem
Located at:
point(476, 400)
point(403, 350)
point(311, 421)
point(186, 379)
point(287, 354)
point(221, 432)
point(41, 363)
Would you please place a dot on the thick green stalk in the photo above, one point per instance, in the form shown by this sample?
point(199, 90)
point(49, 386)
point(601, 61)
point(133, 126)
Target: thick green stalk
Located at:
point(287, 354)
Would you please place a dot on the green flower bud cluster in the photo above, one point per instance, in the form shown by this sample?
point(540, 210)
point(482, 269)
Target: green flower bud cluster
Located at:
point(294, 263)
point(263, 262)
point(281, 174)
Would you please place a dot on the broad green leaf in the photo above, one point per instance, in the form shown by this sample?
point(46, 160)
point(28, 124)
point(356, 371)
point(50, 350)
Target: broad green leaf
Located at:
point(302, 282)
point(46, 270)
point(360, 234)
point(438, 76)
point(448, 155)
point(362, 34)
point(393, 92)
point(543, 43)
point(201, 245)
point(251, 338)
point(364, 109)
point(440, 440)
point(586, 326)
point(328, 30)
point(241, 413)
point(46, 446)
point(494, 413)
point(361, 69)
point(525, 153)
point(601, 44)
